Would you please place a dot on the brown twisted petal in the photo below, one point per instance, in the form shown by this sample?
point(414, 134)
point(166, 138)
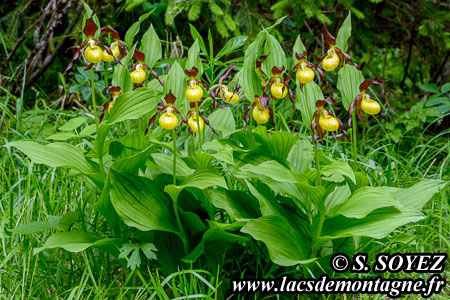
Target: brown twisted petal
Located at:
point(178, 112)
point(192, 73)
point(301, 56)
point(90, 28)
point(322, 103)
point(222, 78)
point(365, 85)
point(277, 70)
point(88, 67)
point(328, 37)
point(114, 34)
point(170, 98)
point(208, 124)
point(75, 56)
point(138, 56)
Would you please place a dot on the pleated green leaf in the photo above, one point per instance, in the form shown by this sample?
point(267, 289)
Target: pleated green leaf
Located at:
point(77, 241)
point(286, 246)
point(344, 33)
point(60, 155)
point(140, 203)
point(276, 56)
point(348, 82)
point(134, 29)
point(377, 224)
point(134, 104)
point(176, 83)
point(305, 101)
point(248, 78)
point(193, 59)
point(364, 201)
point(238, 204)
point(151, 46)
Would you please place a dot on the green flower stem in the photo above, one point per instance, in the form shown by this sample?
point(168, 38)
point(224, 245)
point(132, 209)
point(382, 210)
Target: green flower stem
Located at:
point(174, 137)
point(274, 111)
point(105, 77)
point(283, 120)
point(93, 98)
point(198, 126)
point(316, 150)
point(100, 155)
point(318, 232)
point(175, 201)
point(355, 154)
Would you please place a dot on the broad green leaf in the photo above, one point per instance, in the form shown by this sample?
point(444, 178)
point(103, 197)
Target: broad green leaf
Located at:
point(417, 195)
point(105, 207)
point(299, 48)
point(248, 78)
point(202, 179)
point(72, 124)
point(286, 246)
point(121, 75)
point(37, 226)
point(197, 36)
point(445, 88)
point(140, 203)
point(276, 56)
point(305, 101)
point(214, 243)
point(151, 46)
point(67, 220)
point(61, 136)
point(337, 171)
point(267, 203)
point(176, 83)
point(276, 143)
point(127, 145)
point(364, 201)
point(339, 195)
point(134, 104)
point(193, 59)
point(272, 170)
point(277, 22)
point(134, 29)
point(348, 82)
point(221, 152)
point(377, 224)
point(131, 164)
point(430, 87)
point(77, 241)
point(239, 205)
point(165, 165)
point(60, 155)
point(88, 130)
point(344, 33)
point(221, 118)
point(301, 156)
point(231, 46)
